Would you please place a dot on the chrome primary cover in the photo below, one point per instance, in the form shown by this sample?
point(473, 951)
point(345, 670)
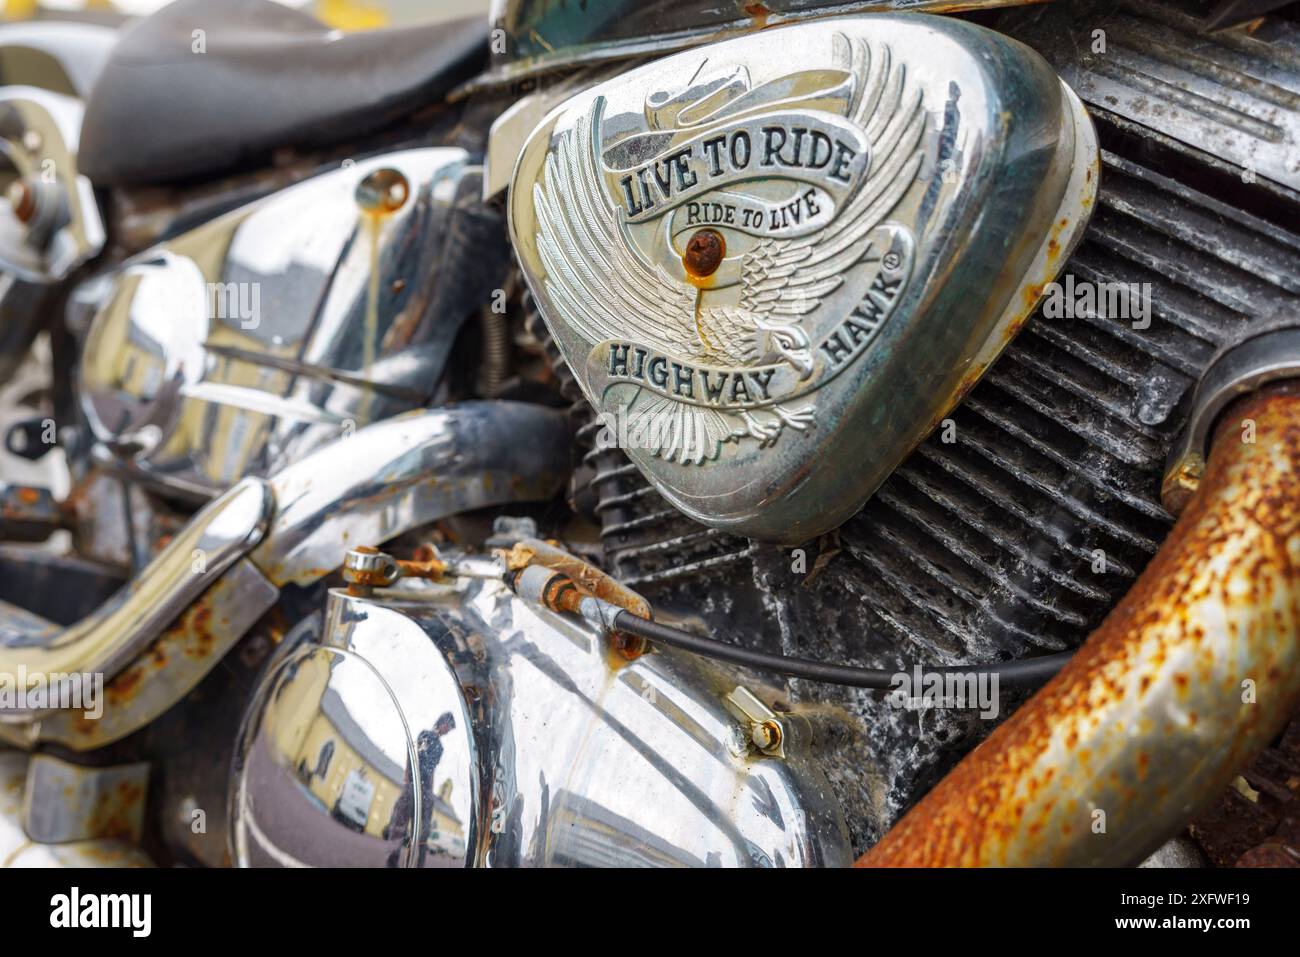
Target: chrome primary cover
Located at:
point(451, 726)
point(799, 247)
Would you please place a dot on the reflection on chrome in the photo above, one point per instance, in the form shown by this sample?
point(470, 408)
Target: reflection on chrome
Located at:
point(239, 346)
point(439, 725)
point(332, 769)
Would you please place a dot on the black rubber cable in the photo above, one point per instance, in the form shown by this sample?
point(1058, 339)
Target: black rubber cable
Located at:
point(1025, 672)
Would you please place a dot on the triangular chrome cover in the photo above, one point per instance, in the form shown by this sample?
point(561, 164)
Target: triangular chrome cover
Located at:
point(775, 263)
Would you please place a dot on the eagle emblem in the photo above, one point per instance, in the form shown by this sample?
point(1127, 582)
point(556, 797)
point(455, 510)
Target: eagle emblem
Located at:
point(694, 256)
point(774, 263)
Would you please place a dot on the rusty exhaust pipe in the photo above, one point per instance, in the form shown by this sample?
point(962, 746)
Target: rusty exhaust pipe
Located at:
point(1192, 673)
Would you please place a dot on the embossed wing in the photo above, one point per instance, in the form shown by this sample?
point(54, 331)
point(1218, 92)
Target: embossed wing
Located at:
point(596, 277)
point(608, 291)
point(784, 279)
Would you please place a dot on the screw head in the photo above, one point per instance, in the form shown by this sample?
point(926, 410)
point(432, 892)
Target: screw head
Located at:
point(766, 735)
point(705, 251)
point(383, 191)
point(630, 647)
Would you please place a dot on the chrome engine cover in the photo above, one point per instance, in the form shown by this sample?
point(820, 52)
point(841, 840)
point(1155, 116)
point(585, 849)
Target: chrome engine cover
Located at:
point(460, 726)
point(240, 346)
point(753, 269)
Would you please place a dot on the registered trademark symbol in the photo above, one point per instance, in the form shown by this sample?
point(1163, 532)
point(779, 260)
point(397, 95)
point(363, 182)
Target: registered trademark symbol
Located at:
point(892, 260)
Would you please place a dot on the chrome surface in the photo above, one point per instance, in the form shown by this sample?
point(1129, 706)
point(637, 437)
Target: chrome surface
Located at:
point(159, 636)
point(358, 753)
point(1268, 355)
point(536, 747)
point(766, 731)
point(19, 850)
point(543, 35)
point(405, 472)
point(242, 345)
point(106, 640)
point(18, 626)
point(511, 129)
point(752, 270)
point(57, 226)
point(370, 568)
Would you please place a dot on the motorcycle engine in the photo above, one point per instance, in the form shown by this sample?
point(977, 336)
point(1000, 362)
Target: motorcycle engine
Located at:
point(414, 389)
point(1017, 528)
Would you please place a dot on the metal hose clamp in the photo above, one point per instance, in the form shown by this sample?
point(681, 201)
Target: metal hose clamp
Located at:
point(1269, 355)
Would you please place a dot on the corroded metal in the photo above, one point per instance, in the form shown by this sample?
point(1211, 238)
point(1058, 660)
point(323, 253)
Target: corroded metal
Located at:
point(107, 639)
point(172, 665)
point(159, 636)
point(1265, 355)
point(17, 849)
point(1195, 670)
point(590, 579)
point(65, 802)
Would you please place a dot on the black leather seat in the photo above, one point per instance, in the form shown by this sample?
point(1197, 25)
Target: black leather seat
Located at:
point(270, 77)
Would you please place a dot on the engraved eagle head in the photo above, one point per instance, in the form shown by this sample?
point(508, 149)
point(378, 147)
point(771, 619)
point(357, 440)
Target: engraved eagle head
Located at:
point(775, 341)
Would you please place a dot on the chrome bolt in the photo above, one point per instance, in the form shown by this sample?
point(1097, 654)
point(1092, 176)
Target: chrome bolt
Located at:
point(366, 568)
point(765, 732)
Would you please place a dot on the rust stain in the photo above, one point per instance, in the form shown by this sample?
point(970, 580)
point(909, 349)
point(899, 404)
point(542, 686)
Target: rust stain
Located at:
point(758, 13)
point(123, 688)
point(1032, 294)
point(589, 579)
point(576, 579)
point(116, 814)
point(192, 636)
point(424, 563)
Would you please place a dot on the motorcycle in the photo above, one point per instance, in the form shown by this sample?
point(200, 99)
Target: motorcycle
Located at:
point(661, 435)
